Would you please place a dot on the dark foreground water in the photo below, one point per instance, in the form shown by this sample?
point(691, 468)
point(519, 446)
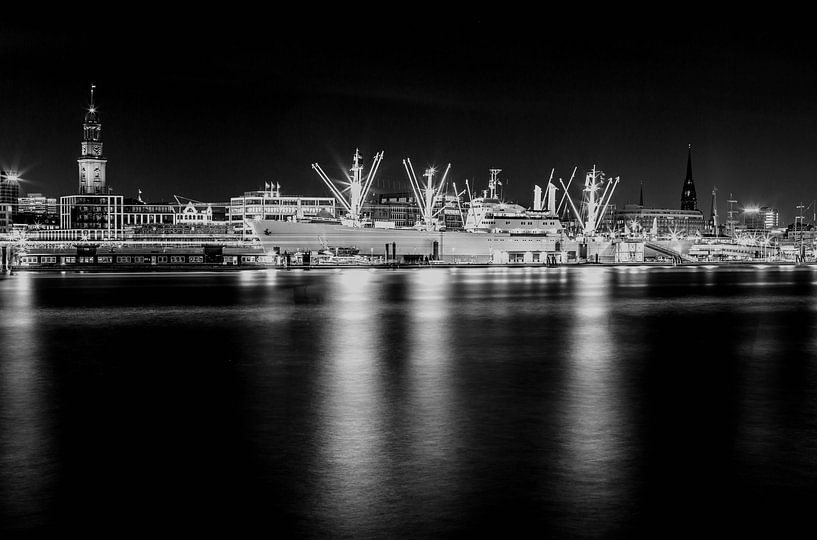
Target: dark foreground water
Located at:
point(564, 402)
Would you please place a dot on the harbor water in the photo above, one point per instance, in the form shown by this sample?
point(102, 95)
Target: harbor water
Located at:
point(570, 402)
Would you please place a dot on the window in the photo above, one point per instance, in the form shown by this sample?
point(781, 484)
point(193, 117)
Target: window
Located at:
point(104, 259)
point(138, 259)
point(162, 259)
point(123, 259)
point(69, 260)
point(196, 259)
point(177, 259)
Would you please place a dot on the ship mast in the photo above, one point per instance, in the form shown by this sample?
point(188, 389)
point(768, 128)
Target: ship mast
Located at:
point(492, 183)
point(357, 187)
point(427, 194)
point(595, 206)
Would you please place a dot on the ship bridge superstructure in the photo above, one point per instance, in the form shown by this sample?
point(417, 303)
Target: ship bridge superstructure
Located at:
point(480, 208)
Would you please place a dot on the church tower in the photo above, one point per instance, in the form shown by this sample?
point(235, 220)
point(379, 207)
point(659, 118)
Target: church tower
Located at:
point(91, 163)
point(689, 200)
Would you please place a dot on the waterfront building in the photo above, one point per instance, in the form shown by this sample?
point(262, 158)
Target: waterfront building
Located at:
point(399, 208)
point(5, 217)
point(689, 199)
point(402, 209)
point(136, 212)
point(191, 215)
point(762, 218)
point(270, 204)
point(9, 189)
point(103, 214)
point(37, 204)
point(637, 220)
point(215, 212)
point(770, 216)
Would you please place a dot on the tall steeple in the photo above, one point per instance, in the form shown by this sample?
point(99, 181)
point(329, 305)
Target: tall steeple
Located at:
point(91, 162)
point(689, 200)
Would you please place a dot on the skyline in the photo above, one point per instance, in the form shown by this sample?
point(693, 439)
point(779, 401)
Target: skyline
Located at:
point(212, 120)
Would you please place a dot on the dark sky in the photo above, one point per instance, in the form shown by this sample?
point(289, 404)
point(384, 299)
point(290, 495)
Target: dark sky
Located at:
point(209, 111)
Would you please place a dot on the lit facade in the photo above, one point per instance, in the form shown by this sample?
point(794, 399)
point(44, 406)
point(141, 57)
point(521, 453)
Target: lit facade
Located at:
point(9, 189)
point(402, 210)
point(762, 218)
point(91, 162)
point(37, 204)
point(5, 217)
point(771, 217)
point(193, 216)
point(137, 213)
point(101, 213)
point(257, 205)
point(668, 222)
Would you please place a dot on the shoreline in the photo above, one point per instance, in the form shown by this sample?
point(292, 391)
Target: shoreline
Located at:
point(262, 267)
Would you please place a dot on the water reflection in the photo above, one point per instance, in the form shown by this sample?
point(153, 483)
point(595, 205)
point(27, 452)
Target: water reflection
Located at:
point(352, 456)
point(27, 457)
point(594, 428)
point(570, 401)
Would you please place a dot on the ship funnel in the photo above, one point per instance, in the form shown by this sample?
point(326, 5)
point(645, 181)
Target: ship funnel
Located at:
point(551, 194)
point(537, 198)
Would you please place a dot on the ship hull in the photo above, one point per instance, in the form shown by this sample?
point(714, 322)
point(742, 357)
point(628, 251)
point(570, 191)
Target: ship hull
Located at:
point(278, 237)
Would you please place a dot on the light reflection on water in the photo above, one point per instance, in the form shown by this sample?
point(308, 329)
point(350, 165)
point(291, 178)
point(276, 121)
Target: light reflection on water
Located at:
point(26, 438)
point(579, 401)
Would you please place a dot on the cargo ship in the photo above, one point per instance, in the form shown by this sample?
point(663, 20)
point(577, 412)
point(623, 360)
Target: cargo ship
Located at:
point(495, 231)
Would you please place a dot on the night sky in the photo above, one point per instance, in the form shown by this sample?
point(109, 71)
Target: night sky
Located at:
point(212, 112)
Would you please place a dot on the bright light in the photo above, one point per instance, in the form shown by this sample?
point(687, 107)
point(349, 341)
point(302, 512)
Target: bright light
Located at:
point(752, 210)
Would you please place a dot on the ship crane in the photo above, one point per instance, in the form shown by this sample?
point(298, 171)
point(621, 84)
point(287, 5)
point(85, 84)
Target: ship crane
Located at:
point(358, 188)
point(470, 205)
point(595, 206)
point(564, 195)
point(426, 195)
point(459, 195)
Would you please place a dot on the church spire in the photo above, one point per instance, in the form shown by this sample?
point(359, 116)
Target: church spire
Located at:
point(689, 163)
point(91, 161)
point(689, 200)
